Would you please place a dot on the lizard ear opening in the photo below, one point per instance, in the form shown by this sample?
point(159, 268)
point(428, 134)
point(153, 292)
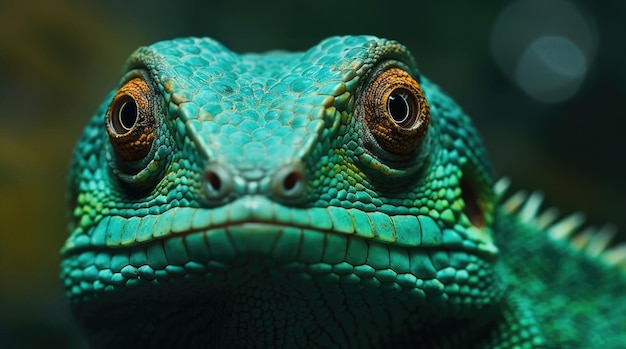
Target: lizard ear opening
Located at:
point(130, 120)
point(472, 209)
point(395, 111)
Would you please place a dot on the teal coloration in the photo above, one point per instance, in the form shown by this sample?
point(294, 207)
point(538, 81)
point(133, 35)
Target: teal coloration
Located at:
point(266, 213)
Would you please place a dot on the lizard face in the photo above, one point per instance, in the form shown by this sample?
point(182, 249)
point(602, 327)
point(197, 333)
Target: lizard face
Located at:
point(234, 185)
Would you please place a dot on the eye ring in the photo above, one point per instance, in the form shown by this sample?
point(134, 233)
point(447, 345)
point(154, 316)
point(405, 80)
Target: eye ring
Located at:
point(395, 112)
point(130, 120)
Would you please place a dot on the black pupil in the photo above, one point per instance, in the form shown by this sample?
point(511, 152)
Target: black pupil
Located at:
point(400, 107)
point(127, 114)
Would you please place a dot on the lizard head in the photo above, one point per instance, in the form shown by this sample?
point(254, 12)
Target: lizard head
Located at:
point(339, 168)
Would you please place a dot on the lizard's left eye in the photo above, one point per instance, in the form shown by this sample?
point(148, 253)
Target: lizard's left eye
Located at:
point(130, 120)
point(395, 111)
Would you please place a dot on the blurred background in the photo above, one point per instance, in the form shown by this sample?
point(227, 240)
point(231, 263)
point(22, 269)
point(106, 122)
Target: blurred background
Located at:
point(544, 80)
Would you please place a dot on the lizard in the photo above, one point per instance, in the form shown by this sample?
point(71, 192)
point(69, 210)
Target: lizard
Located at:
point(334, 197)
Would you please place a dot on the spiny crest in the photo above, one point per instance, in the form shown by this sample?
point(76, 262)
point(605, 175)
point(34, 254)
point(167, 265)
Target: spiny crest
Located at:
point(594, 242)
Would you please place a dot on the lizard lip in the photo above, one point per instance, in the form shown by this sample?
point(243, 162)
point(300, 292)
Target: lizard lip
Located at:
point(257, 245)
point(257, 220)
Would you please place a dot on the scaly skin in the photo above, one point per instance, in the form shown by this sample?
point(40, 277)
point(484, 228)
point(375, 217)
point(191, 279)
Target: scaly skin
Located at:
point(283, 200)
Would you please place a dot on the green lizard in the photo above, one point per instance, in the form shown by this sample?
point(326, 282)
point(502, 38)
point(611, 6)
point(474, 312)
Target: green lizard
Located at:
point(330, 198)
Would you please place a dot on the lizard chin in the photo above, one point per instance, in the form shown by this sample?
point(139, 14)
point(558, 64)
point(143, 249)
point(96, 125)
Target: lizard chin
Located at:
point(257, 284)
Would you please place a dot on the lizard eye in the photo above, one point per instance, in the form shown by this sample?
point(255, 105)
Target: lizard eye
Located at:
point(130, 120)
point(395, 111)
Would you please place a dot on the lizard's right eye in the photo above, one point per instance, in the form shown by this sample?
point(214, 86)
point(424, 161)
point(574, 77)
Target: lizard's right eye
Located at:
point(130, 120)
point(395, 112)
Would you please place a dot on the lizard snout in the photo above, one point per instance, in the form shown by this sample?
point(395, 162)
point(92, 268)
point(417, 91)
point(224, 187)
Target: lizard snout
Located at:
point(286, 184)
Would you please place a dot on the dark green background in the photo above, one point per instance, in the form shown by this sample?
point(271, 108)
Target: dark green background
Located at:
point(59, 59)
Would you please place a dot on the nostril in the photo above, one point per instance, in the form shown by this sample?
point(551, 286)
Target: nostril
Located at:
point(217, 181)
point(288, 182)
point(213, 180)
point(293, 180)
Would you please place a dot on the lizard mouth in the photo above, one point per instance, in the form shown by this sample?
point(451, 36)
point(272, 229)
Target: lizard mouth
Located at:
point(259, 222)
point(255, 238)
point(228, 255)
point(257, 231)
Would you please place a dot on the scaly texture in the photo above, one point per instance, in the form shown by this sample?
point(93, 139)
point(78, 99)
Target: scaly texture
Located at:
point(330, 198)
